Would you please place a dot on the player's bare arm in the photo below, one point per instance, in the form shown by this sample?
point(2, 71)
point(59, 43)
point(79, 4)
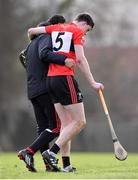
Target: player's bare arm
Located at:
point(85, 68)
point(35, 31)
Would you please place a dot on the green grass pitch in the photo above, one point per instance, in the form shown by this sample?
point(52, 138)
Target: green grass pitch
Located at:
point(89, 166)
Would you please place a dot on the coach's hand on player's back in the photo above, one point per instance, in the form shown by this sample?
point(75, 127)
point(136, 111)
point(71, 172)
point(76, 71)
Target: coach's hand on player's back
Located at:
point(70, 63)
point(97, 86)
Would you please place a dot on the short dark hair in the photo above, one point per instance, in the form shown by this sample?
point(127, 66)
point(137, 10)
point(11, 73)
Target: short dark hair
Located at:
point(53, 20)
point(85, 17)
point(56, 19)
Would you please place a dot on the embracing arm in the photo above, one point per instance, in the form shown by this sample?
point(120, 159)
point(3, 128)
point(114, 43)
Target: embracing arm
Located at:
point(45, 51)
point(85, 68)
point(47, 55)
point(39, 30)
point(45, 47)
point(35, 31)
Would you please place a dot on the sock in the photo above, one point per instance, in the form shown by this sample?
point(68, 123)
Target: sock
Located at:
point(65, 161)
point(55, 149)
point(44, 139)
point(44, 148)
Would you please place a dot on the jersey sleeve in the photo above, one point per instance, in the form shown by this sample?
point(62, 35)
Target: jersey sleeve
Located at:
point(78, 37)
point(50, 28)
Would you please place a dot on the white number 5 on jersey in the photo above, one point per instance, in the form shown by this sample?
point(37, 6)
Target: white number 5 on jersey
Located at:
point(61, 41)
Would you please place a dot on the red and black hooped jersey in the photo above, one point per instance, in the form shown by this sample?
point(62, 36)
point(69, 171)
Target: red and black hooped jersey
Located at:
point(64, 37)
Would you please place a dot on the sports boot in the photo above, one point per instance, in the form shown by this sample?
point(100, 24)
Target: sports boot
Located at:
point(51, 161)
point(69, 169)
point(28, 159)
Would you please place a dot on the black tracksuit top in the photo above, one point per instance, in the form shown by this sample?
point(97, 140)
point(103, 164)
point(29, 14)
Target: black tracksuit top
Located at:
point(38, 56)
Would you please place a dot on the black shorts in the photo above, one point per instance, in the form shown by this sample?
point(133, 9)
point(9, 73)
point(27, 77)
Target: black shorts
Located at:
point(64, 90)
point(45, 114)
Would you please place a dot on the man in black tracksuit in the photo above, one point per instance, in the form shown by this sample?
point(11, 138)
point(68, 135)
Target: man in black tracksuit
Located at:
point(38, 55)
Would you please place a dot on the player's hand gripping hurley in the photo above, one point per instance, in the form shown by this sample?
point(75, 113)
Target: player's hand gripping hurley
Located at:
point(120, 152)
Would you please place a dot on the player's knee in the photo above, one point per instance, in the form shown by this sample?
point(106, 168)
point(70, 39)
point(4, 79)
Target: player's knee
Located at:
point(81, 123)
